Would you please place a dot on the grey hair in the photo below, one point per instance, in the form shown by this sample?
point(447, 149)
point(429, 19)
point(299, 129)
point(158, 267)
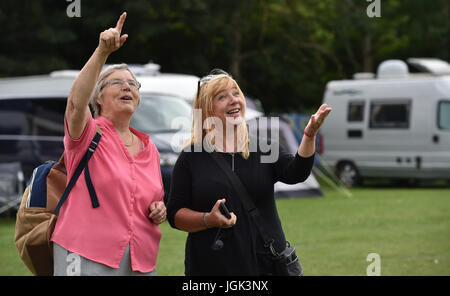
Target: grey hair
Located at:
point(97, 93)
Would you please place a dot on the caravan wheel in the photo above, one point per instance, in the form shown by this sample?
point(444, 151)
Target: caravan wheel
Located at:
point(348, 174)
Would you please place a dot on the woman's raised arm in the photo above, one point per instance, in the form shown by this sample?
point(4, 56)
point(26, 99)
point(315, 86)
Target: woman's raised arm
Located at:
point(77, 110)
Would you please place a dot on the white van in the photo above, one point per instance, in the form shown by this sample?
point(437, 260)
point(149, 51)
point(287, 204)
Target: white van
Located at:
point(32, 115)
point(394, 125)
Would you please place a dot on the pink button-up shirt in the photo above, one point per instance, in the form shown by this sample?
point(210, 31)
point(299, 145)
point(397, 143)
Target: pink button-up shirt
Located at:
point(125, 187)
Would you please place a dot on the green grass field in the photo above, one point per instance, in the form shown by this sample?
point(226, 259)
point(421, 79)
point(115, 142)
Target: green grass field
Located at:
point(408, 228)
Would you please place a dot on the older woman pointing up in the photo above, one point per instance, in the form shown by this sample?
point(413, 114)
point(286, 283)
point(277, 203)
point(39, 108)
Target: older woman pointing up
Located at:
point(120, 236)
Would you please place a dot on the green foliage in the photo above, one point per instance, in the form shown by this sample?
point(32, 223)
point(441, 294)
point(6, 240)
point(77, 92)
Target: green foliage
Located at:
point(282, 52)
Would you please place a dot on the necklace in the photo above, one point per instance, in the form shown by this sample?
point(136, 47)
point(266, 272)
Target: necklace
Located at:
point(132, 141)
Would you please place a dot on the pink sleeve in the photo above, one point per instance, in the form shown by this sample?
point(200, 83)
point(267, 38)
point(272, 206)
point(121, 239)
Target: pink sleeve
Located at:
point(74, 149)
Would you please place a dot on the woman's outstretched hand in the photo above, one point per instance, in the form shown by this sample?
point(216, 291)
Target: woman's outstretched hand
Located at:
point(317, 119)
point(111, 40)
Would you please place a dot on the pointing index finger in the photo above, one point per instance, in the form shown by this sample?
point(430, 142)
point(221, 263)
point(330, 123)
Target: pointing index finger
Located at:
point(120, 22)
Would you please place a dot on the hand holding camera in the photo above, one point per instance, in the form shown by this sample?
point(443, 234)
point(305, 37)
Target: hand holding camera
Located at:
point(220, 216)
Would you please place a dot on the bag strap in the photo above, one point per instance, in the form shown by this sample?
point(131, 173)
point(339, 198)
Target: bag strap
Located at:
point(83, 165)
point(247, 201)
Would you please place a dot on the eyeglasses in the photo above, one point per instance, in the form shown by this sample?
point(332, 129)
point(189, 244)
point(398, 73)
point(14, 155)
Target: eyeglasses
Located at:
point(119, 83)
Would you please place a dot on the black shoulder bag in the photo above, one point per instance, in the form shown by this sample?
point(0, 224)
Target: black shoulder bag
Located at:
point(286, 262)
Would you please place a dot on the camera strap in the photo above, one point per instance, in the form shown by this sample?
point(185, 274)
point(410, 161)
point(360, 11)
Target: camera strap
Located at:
point(247, 201)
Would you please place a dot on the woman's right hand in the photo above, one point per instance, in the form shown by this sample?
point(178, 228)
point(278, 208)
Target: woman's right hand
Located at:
point(110, 40)
point(216, 219)
point(77, 110)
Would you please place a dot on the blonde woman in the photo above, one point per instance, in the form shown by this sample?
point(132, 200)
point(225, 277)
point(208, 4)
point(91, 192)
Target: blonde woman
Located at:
point(199, 185)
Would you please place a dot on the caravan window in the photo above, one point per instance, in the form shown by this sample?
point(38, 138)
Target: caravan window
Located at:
point(389, 115)
point(444, 115)
point(355, 111)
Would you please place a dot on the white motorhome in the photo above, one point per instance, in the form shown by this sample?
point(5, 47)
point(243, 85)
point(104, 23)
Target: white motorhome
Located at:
point(394, 125)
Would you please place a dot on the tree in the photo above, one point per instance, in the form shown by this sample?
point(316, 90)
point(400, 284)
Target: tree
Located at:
point(282, 52)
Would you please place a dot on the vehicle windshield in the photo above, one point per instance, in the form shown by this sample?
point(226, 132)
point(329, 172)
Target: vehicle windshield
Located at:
point(162, 114)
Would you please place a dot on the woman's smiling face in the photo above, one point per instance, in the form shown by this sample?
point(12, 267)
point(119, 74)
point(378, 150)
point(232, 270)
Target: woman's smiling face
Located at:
point(228, 105)
point(118, 98)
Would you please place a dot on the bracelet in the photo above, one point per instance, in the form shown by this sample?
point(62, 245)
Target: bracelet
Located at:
point(308, 135)
point(204, 220)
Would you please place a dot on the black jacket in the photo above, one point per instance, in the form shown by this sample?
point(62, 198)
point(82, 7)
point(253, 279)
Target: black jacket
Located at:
point(198, 182)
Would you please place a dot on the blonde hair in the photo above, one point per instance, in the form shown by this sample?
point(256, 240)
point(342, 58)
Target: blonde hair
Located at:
point(203, 101)
point(98, 89)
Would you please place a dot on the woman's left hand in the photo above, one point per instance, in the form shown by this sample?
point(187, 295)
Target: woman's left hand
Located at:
point(157, 212)
point(317, 120)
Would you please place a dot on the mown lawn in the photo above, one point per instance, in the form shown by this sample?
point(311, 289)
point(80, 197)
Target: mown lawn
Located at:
point(408, 228)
